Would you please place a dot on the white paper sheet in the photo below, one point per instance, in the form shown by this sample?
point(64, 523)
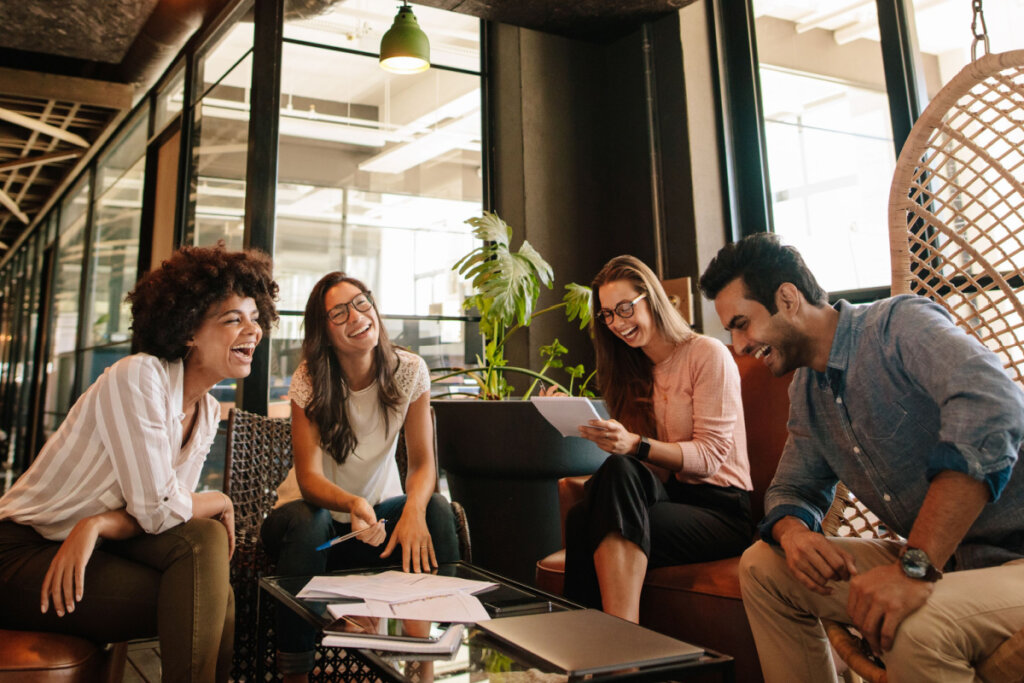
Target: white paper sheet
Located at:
point(566, 413)
point(456, 607)
point(390, 586)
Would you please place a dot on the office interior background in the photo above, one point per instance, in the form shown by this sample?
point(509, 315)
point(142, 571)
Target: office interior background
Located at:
point(661, 131)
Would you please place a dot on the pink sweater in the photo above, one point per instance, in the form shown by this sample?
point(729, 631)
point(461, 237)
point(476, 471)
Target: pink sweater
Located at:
point(697, 404)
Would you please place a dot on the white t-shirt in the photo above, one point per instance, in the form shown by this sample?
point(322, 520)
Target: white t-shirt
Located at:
point(370, 470)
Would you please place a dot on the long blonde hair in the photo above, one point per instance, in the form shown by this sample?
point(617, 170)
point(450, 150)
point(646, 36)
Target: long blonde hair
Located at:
point(624, 373)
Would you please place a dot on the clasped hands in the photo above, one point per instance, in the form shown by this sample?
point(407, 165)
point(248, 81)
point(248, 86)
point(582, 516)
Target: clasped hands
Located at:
point(880, 598)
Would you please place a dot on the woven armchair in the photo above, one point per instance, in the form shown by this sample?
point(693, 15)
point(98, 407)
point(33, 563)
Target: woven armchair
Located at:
point(258, 457)
point(956, 232)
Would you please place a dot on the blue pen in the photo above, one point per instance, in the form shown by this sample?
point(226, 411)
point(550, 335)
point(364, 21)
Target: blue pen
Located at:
point(339, 539)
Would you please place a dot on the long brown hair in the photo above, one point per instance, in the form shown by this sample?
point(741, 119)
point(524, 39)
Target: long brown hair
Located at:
point(625, 374)
point(330, 387)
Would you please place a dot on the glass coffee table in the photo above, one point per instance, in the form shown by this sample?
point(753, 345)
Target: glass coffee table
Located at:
point(478, 658)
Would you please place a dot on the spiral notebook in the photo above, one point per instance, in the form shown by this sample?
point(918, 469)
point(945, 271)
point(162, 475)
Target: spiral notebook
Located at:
point(587, 641)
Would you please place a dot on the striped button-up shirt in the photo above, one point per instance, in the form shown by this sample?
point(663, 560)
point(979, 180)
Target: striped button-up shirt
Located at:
point(119, 447)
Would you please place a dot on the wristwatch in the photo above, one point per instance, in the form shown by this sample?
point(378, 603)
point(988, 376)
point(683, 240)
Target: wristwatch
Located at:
point(643, 449)
point(915, 563)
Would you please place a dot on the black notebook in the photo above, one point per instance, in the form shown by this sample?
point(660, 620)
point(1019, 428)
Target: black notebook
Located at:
point(581, 642)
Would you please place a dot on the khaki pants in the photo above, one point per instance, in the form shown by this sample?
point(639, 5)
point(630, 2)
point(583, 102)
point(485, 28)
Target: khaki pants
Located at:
point(173, 584)
point(967, 616)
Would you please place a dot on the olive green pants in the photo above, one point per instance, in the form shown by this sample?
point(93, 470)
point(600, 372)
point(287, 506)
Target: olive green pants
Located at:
point(173, 585)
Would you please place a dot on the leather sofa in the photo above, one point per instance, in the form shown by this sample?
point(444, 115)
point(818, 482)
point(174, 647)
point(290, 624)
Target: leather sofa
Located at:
point(701, 603)
point(33, 657)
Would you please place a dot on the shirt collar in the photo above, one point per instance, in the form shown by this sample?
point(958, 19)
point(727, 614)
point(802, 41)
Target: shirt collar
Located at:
point(842, 346)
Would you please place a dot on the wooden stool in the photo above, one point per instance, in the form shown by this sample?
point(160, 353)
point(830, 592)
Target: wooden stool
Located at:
point(34, 657)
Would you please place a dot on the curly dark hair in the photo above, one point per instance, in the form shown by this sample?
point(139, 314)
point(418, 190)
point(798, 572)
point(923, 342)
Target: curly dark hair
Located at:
point(170, 302)
point(764, 263)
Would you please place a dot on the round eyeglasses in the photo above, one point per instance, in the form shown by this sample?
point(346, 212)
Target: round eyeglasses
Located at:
point(623, 310)
point(339, 314)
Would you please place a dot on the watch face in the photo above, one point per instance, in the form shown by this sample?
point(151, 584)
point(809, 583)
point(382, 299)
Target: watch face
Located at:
point(915, 563)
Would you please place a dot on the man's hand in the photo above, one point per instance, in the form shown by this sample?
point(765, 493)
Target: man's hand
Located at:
point(881, 599)
point(812, 558)
point(417, 547)
point(64, 582)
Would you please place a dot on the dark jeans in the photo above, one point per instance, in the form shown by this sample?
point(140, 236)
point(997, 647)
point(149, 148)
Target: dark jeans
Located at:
point(673, 523)
point(173, 584)
point(293, 531)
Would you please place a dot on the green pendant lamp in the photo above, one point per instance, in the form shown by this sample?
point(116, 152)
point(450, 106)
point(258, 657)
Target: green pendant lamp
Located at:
point(404, 49)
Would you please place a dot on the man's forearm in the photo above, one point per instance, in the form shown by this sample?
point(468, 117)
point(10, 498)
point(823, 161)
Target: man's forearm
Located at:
point(953, 502)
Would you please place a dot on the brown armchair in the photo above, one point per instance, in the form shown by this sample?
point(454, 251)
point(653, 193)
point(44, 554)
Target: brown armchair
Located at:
point(701, 602)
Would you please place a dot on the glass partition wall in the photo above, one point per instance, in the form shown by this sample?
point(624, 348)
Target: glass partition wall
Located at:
point(377, 174)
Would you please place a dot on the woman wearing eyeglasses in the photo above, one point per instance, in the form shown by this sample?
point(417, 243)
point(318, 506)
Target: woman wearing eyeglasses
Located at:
point(351, 395)
point(675, 488)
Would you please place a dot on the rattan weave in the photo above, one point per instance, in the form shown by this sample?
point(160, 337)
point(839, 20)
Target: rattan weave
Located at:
point(956, 205)
point(956, 234)
point(259, 455)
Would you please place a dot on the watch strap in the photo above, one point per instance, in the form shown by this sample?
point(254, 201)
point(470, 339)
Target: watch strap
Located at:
point(643, 449)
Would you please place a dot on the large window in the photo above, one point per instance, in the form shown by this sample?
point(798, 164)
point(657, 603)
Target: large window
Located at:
point(377, 174)
point(830, 149)
point(827, 126)
point(60, 370)
point(221, 139)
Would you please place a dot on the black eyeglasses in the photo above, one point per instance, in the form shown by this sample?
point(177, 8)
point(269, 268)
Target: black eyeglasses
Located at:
point(339, 314)
point(623, 310)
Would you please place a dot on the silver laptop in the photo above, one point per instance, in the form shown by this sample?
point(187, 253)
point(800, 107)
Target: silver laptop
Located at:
point(588, 641)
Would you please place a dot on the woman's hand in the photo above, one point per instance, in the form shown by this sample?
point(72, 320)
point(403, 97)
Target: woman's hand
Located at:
point(218, 506)
point(364, 518)
point(611, 436)
point(551, 391)
point(417, 546)
point(64, 582)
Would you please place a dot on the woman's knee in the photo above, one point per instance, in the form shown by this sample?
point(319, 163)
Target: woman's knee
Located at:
point(296, 522)
point(206, 538)
point(440, 520)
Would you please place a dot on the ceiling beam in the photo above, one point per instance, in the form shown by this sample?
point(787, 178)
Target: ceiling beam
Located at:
point(44, 128)
point(85, 91)
point(41, 159)
point(13, 207)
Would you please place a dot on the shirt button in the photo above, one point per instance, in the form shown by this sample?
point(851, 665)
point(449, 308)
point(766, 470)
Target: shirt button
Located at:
point(839, 400)
point(886, 497)
point(856, 449)
point(166, 499)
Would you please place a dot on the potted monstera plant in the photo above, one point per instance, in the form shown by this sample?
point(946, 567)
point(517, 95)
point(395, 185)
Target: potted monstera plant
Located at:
point(502, 459)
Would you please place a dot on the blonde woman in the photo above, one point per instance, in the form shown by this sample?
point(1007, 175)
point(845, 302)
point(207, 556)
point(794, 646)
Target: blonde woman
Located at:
point(675, 487)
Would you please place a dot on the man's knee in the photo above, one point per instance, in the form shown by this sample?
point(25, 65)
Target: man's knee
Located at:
point(758, 561)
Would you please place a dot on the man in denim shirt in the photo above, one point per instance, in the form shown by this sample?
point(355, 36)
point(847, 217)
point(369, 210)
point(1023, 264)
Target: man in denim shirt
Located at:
point(923, 425)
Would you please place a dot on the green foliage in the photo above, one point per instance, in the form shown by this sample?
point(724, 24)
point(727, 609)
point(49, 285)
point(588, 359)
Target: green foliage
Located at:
point(506, 285)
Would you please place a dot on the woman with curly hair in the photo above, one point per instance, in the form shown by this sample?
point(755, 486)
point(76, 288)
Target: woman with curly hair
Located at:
point(675, 487)
point(351, 395)
point(103, 536)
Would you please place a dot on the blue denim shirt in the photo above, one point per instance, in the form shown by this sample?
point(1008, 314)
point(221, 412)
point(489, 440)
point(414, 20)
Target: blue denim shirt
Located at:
point(906, 394)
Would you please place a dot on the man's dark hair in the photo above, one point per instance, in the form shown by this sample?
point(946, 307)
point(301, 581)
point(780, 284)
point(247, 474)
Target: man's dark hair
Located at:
point(169, 303)
point(764, 263)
